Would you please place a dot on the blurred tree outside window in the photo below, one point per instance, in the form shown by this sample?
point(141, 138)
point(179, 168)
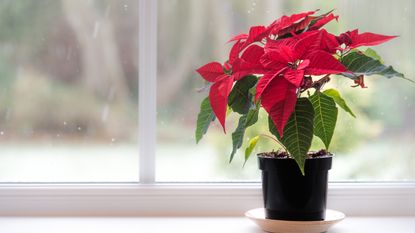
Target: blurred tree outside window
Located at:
point(68, 100)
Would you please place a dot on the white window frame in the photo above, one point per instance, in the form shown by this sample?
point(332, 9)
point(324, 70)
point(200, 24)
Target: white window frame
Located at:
point(148, 198)
point(147, 113)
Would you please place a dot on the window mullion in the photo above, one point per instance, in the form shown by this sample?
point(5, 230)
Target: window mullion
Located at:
point(147, 88)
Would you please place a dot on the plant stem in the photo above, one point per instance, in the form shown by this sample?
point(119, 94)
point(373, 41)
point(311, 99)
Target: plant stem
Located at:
point(279, 143)
point(320, 83)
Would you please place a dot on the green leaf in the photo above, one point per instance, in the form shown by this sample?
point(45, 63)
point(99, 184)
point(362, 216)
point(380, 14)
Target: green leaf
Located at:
point(360, 64)
point(238, 136)
point(240, 98)
point(244, 122)
point(335, 95)
point(252, 116)
point(325, 117)
point(298, 132)
point(206, 115)
point(250, 148)
point(373, 54)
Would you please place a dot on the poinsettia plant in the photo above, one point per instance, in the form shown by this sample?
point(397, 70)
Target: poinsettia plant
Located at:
point(282, 68)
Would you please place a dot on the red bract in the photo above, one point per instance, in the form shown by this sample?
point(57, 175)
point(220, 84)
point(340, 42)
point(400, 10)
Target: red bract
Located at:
point(296, 27)
point(234, 53)
point(218, 97)
point(312, 40)
point(279, 101)
point(302, 55)
point(281, 27)
point(318, 40)
point(309, 22)
point(285, 25)
point(237, 67)
point(256, 33)
point(291, 63)
point(353, 39)
point(275, 44)
point(282, 24)
point(211, 71)
point(323, 21)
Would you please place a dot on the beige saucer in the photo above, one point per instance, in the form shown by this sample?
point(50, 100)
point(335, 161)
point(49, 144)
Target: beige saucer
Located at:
point(283, 226)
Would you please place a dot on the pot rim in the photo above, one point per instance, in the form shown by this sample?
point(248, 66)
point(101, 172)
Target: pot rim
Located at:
point(326, 156)
point(320, 163)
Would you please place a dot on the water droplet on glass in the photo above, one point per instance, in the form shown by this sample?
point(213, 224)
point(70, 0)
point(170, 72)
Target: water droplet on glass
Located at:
point(1, 133)
point(125, 7)
point(79, 128)
point(112, 139)
point(405, 98)
point(249, 12)
point(254, 4)
point(64, 123)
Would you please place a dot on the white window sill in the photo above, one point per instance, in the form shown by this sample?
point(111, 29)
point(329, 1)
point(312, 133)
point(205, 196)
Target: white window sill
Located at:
point(187, 225)
point(354, 199)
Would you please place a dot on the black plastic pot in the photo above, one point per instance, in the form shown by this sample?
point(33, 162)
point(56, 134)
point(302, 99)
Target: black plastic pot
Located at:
point(288, 195)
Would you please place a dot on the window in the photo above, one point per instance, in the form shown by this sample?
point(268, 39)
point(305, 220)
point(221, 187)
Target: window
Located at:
point(377, 146)
point(68, 102)
point(170, 155)
point(69, 99)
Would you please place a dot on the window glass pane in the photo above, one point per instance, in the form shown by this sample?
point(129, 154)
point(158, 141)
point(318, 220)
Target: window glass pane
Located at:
point(377, 145)
point(68, 99)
